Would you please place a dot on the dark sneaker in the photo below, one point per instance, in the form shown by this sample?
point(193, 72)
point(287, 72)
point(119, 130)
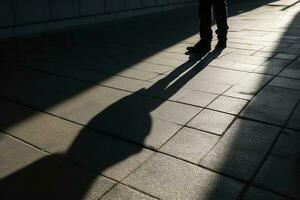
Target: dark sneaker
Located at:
point(221, 45)
point(200, 47)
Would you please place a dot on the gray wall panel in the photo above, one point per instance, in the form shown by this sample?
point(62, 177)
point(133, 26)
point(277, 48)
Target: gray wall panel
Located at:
point(6, 15)
point(91, 7)
point(31, 11)
point(64, 9)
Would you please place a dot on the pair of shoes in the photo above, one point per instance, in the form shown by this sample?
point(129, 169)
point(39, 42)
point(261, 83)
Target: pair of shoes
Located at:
point(222, 44)
point(202, 47)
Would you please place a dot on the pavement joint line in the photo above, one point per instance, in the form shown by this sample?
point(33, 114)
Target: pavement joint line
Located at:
point(99, 84)
point(129, 186)
point(287, 77)
point(55, 156)
point(67, 77)
point(87, 69)
point(250, 101)
point(286, 88)
point(116, 181)
point(70, 162)
point(113, 136)
point(268, 153)
point(277, 137)
point(120, 138)
point(272, 191)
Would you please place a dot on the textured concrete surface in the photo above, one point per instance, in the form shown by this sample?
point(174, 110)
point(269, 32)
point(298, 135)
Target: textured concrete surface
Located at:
point(119, 111)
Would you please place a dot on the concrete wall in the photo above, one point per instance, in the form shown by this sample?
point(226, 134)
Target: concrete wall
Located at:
point(19, 17)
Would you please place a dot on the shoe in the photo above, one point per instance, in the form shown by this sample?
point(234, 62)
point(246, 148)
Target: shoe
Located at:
point(200, 47)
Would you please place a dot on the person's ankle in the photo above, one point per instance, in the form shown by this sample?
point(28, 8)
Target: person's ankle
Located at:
point(222, 44)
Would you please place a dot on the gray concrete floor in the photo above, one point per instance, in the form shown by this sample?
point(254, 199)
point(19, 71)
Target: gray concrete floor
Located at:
point(118, 111)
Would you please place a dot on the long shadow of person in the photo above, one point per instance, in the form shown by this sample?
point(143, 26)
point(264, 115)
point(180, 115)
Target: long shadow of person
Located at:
point(128, 119)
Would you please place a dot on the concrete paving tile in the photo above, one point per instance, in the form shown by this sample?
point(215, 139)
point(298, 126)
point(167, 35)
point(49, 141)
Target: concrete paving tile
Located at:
point(254, 60)
point(190, 144)
point(164, 61)
point(244, 52)
point(228, 104)
point(259, 194)
point(292, 71)
point(295, 119)
point(196, 84)
point(271, 70)
point(124, 83)
point(264, 54)
point(122, 192)
point(17, 149)
point(205, 86)
point(272, 105)
point(280, 172)
point(197, 98)
point(243, 67)
point(211, 121)
point(104, 65)
point(273, 62)
point(170, 178)
point(285, 56)
point(175, 112)
point(78, 143)
point(286, 83)
point(245, 46)
point(223, 63)
point(248, 87)
point(89, 76)
point(137, 74)
point(144, 120)
point(35, 174)
point(241, 149)
point(175, 56)
point(218, 75)
point(152, 67)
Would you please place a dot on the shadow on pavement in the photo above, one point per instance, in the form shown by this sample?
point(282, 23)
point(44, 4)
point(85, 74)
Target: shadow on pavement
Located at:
point(46, 179)
point(265, 157)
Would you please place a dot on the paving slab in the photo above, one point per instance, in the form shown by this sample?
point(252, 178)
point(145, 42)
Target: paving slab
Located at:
point(211, 121)
point(169, 178)
point(286, 83)
point(35, 175)
point(259, 194)
point(254, 60)
point(122, 192)
point(292, 71)
point(228, 104)
point(75, 142)
point(190, 144)
point(295, 119)
point(88, 75)
point(248, 87)
point(197, 98)
point(284, 56)
point(272, 105)
point(283, 158)
point(241, 149)
point(218, 75)
point(209, 87)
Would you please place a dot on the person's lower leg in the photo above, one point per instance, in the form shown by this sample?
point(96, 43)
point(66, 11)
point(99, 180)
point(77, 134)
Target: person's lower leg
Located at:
point(220, 10)
point(204, 45)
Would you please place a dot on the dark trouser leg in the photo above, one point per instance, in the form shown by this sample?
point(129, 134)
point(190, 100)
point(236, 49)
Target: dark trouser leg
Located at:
point(205, 20)
point(220, 8)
